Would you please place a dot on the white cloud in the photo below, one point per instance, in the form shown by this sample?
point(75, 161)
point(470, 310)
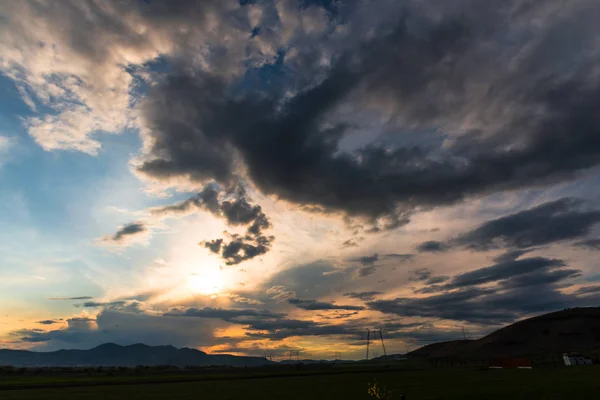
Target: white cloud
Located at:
point(76, 58)
point(6, 144)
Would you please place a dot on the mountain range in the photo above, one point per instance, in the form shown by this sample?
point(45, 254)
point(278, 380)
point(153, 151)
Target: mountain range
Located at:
point(110, 354)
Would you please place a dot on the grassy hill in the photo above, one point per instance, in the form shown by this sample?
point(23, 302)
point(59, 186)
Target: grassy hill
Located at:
point(569, 330)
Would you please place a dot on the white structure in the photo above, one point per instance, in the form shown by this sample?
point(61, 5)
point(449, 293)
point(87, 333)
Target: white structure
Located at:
point(571, 359)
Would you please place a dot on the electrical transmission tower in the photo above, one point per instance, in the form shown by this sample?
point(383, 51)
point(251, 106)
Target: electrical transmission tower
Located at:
point(368, 338)
point(383, 345)
point(375, 331)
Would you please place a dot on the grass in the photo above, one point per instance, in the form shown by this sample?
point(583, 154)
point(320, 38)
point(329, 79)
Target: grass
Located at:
point(432, 383)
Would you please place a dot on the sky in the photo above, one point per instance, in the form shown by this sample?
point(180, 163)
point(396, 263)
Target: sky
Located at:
point(253, 177)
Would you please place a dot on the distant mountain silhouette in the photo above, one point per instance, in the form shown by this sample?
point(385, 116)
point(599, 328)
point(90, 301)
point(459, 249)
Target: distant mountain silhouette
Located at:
point(111, 354)
point(570, 330)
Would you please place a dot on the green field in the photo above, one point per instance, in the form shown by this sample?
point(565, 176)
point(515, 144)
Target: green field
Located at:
point(430, 383)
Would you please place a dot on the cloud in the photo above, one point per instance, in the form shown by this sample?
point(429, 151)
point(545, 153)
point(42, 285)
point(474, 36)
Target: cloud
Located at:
point(399, 257)
point(349, 243)
point(469, 297)
point(50, 321)
point(551, 222)
point(419, 274)
point(279, 293)
point(233, 206)
point(221, 313)
point(366, 271)
point(432, 246)
point(240, 248)
point(85, 63)
point(286, 139)
point(503, 271)
point(124, 328)
point(207, 199)
point(415, 69)
point(510, 256)
point(72, 298)
point(312, 305)
point(313, 280)
point(362, 295)
point(127, 234)
point(282, 329)
point(95, 304)
point(592, 244)
point(437, 279)
point(6, 143)
point(366, 260)
point(585, 290)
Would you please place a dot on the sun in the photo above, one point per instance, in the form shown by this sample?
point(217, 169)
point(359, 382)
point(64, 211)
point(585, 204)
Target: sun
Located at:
point(210, 281)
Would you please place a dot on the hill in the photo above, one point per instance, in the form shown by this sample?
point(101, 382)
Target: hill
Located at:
point(569, 330)
point(114, 355)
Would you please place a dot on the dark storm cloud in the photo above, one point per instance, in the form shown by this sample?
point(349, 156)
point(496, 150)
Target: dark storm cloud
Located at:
point(399, 257)
point(366, 271)
point(419, 274)
point(437, 279)
point(338, 315)
point(72, 298)
point(349, 243)
point(321, 305)
point(207, 199)
point(362, 295)
point(541, 277)
point(126, 232)
point(460, 305)
point(96, 304)
point(240, 248)
point(366, 260)
point(503, 271)
point(593, 244)
point(433, 288)
point(432, 246)
point(551, 222)
point(234, 206)
point(510, 256)
point(50, 321)
point(425, 70)
point(465, 296)
point(214, 245)
point(277, 330)
point(588, 290)
point(222, 313)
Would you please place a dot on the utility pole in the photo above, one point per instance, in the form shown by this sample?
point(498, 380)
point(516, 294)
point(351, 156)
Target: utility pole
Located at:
point(368, 338)
point(383, 345)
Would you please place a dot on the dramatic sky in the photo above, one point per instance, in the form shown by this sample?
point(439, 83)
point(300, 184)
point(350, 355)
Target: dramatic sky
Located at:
point(251, 177)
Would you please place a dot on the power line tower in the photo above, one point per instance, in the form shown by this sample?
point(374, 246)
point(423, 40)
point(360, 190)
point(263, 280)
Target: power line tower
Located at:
point(382, 345)
point(375, 332)
point(368, 339)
